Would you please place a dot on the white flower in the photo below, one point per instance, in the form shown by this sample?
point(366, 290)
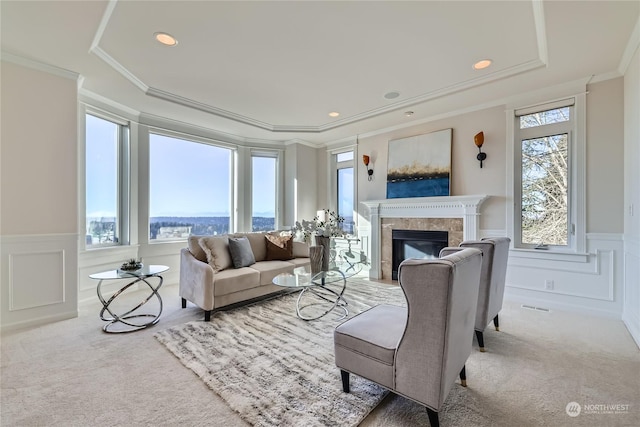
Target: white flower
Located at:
point(330, 227)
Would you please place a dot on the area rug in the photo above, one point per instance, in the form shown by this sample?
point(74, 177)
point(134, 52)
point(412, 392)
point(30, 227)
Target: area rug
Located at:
point(275, 369)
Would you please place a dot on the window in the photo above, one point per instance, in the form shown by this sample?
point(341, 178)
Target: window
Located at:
point(263, 190)
point(345, 189)
point(189, 188)
point(545, 149)
point(106, 182)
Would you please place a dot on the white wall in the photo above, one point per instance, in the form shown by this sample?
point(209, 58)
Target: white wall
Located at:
point(39, 196)
point(591, 282)
point(631, 313)
point(467, 176)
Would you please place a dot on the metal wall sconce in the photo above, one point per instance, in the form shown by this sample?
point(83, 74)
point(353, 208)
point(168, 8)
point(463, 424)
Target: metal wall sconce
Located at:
point(479, 140)
point(365, 160)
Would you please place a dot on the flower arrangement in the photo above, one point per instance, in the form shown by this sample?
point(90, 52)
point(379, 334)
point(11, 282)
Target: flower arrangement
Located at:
point(132, 264)
point(329, 226)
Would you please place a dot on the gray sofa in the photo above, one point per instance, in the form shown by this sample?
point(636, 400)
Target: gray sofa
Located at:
point(209, 279)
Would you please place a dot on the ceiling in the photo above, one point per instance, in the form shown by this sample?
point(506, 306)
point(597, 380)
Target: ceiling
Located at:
point(272, 71)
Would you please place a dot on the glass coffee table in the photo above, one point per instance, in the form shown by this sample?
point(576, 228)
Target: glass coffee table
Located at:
point(321, 293)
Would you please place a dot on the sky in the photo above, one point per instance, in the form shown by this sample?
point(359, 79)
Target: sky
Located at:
point(186, 178)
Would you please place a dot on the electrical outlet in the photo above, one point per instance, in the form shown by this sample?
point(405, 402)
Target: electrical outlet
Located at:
point(548, 285)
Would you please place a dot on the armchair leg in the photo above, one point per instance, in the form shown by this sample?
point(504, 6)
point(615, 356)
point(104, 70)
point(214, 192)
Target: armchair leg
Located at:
point(496, 323)
point(184, 303)
point(207, 315)
point(433, 418)
point(480, 340)
point(463, 377)
point(345, 380)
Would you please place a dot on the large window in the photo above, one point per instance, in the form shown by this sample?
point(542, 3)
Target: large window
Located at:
point(543, 173)
point(264, 168)
point(345, 189)
point(190, 188)
point(106, 182)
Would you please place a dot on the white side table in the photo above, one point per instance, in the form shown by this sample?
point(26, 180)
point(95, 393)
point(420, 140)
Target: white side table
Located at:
point(146, 274)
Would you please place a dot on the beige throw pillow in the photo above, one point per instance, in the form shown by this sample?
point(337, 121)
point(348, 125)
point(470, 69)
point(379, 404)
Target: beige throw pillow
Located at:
point(193, 242)
point(217, 250)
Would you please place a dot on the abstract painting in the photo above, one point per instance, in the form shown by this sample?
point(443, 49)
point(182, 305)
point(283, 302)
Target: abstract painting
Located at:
point(420, 166)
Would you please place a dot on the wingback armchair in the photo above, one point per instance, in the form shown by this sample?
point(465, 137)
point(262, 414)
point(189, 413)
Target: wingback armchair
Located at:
point(492, 280)
point(417, 351)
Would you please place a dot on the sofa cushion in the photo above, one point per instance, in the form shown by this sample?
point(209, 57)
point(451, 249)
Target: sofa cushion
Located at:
point(241, 253)
point(193, 243)
point(279, 247)
point(258, 245)
point(270, 269)
point(236, 280)
point(216, 249)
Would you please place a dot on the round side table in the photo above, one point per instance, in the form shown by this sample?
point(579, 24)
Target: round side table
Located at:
point(146, 275)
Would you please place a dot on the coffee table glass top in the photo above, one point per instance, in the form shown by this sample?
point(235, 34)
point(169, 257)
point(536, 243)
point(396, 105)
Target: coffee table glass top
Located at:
point(301, 277)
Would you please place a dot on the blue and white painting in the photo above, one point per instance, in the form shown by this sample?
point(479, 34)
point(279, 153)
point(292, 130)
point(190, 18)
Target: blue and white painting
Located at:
point(420, 166)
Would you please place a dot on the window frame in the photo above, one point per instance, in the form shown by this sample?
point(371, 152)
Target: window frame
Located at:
point(123, 172)
point(273, 154)
point(576, 175)
point(196, 140)
point(335, 168)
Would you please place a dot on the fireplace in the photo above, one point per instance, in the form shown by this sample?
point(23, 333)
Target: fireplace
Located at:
point(423, 244)
point(459, 215)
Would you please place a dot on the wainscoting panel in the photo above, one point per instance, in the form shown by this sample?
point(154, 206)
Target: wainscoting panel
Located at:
point(631, 310)
point(26, 273)
point(39, 279)
point(591, 283)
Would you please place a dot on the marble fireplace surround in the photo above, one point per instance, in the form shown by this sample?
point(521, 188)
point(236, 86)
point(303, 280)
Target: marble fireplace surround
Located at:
point(456, 214)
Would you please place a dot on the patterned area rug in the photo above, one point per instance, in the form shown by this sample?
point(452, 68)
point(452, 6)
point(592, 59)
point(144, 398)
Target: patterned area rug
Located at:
point(275, 369)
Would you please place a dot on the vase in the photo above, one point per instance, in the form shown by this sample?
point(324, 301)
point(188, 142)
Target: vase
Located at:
point(315, 257)
point(325, 242)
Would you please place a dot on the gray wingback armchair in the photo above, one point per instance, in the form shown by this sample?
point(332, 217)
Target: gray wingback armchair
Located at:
point(417, 351)
point(492, 280)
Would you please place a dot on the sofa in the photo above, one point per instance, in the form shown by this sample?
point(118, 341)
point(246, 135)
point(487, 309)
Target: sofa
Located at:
point(218, 271)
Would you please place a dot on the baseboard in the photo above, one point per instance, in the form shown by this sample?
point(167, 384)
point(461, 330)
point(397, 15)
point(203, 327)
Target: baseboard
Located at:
point(633, 326)
point(38, 321)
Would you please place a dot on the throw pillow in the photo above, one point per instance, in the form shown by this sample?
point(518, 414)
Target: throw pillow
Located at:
point(300, 249)
point(193, 242)
point(217, 252)
point(279, 247)
point(240, 250)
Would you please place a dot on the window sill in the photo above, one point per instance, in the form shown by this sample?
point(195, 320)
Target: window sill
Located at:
point(554, 255)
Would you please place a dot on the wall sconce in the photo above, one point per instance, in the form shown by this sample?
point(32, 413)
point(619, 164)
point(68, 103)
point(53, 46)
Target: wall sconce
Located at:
point(365, 160)
point(479, 140)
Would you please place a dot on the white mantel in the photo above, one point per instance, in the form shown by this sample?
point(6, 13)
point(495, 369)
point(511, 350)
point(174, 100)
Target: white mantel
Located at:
point(465, 207)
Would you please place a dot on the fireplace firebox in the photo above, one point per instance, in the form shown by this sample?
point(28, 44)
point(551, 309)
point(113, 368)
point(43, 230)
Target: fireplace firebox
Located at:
point(422, 244)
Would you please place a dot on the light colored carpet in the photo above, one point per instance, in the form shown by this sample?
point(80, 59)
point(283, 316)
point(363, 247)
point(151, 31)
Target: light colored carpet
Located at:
point(70, 373)
point(275, 369)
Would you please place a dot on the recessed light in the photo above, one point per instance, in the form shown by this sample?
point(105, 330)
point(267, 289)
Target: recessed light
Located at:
point(391, 95)
point(334, 114)
point(482, 64)
point(166, 39)
point(408, 113)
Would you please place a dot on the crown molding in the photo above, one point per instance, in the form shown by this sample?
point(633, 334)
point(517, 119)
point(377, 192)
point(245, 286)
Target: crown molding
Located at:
point(38, 66)
point(165, 123)
point(187, 102)
point(630, 49)
point(92, 98)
